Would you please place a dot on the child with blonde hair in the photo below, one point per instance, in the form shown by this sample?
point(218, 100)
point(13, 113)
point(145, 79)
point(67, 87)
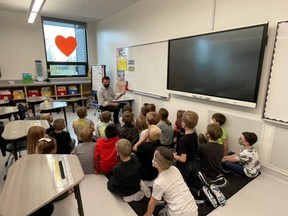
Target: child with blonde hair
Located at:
point(145, 150)
point(170, 185)
point(34, 134)
point(85, 151)
point(46, 145)
point(49, 118)
point(82, 122)
point(105, 119)
point(140, 122)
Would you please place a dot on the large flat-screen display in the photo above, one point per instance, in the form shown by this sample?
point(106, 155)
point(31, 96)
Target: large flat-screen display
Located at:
point(223, 66)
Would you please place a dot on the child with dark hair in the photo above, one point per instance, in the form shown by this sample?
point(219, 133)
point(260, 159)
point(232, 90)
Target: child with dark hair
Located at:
point(105, 157)
point(140, 121)
point(64, 142)
point(151, 107)
point(170, 185)
point(125, 180)
point(178, 129)
point(105, 119)
point(246, 162)
point(165, 125)
point(126, 108)
point(220, 119)
point(187, 146)
point(128, 131)
point(211, 153)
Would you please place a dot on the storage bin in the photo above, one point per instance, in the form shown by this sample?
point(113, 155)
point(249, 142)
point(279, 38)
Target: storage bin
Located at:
point(61, 90)
point(33, 93)
point(45, 91)
point(18, 94)
point(5, 94)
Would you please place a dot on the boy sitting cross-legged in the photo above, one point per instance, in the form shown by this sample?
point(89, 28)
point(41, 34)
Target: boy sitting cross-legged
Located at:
point(125, 180)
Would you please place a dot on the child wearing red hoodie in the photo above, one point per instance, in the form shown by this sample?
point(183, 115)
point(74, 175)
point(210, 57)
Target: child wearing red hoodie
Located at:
point(105, 156)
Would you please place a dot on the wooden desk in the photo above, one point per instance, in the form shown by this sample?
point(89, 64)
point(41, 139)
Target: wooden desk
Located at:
point(14, 130)
point(54, 105)
point(32, 183)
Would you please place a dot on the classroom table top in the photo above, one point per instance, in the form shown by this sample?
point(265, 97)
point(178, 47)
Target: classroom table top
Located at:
point(35, 180)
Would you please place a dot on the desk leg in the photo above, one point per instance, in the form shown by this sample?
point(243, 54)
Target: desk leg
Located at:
point(15, 150)
point(79, 200)
point(33, 108)
point(65, 117)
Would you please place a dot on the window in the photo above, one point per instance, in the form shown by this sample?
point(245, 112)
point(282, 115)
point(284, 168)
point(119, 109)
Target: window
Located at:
point(65, 47)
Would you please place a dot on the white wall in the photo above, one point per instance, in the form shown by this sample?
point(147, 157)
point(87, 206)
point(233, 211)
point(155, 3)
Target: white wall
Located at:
point(22, 43)
point(156, 20)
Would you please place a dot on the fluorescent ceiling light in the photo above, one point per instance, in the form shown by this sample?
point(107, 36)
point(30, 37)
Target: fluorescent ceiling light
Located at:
point(32, 17)
point(35, 7)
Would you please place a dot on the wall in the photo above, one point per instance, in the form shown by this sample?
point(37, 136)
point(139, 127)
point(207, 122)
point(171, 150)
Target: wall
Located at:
point(150, 21)
point(22, 43)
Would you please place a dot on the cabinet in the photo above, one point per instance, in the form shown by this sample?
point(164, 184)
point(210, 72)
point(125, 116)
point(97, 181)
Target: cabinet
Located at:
point(74, 89)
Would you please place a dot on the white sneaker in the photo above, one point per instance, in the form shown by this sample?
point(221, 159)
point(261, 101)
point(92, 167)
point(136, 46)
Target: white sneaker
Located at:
point(145, 189)
point(209, 196)
point(218, 194)
point(134, 197)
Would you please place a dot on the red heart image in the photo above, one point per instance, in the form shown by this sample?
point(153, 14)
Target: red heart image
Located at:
point(66, 45)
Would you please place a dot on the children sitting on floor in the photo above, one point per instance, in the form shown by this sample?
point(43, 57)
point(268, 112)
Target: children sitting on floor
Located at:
point(144, 150)
point(82, 122)
point(34, 134)
point(152, 119)
point(125, 180)
point(64, 142)
point(125, 108)
point(104, 120)
point(46, 145)
point(105, 157)
point(246, 162)
point(128, 131)
point(178, 129)
point(49, 118)
point(140, 122)
point(187, 146)
point(220, 119)
point(170, 186)
point(85, 151)
point(165, 125)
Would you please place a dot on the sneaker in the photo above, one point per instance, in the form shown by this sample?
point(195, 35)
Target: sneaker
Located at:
point(145, 189)
point(218, 194)
point(209, 196)
point(203, 179)
point(134, 197)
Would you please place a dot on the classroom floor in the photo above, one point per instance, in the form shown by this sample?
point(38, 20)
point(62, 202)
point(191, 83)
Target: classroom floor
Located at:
point(264, 196)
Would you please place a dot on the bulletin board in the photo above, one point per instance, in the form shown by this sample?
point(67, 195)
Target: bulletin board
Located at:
point(97, 72)
point(145, 68)
point(276, 104)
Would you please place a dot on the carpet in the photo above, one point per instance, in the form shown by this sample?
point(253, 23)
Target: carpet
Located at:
point(235, 184)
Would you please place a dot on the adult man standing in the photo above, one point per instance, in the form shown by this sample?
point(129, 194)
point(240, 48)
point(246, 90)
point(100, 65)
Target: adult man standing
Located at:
point(107, 99)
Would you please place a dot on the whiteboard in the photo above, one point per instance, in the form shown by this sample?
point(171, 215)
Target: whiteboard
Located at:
point(97, 72)
point(147, 69)
point(276, 106)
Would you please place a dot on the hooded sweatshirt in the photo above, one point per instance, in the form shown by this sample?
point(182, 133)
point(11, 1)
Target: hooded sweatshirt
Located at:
point(105, 157)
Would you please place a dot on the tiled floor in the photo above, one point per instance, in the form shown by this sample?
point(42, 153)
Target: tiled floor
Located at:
point(266, 195)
